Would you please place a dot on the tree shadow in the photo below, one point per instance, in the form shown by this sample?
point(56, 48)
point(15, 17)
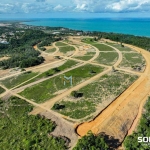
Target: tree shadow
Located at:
point(112, 142)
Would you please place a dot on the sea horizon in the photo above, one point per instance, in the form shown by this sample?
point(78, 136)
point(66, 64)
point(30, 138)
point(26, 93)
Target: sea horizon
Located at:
point(131, 26)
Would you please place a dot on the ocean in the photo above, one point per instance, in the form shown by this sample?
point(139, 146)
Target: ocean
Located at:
point(139, 27)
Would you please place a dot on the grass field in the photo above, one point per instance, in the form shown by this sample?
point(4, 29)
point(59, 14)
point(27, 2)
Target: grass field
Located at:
point(107, 58)
point(51, 72)
point(14, 81)
point(119, 47)
point(52, 87)
point(1, 90)
point(60, 44)
point(88, 40)
point(66, 49)
point(86, 57)
point(132, 59)
point(19, 131)
point(78, 109)
point(103, 47)
point(51, 50)
point(107, 88)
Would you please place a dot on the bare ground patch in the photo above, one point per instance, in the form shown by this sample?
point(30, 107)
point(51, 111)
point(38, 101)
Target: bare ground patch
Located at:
point(63, 127)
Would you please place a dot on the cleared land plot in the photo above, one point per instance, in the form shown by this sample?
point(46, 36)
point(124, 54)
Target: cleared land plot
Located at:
point(60, 44)
point(107, 58)
point(54, 86)
point(85, 57)
point(51, 50)
point(132, 60)
point(14, 81)
point(51, 72)
point(88, 40)
point(103, 47)
point(1, 90)
point(18, 130)
point(66, 49)
point(96, 96)
point(119, 47)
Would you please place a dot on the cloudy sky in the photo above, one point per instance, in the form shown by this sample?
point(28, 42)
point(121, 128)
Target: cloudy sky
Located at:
point(74, 8)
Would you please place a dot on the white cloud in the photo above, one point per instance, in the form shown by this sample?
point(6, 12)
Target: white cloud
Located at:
point(25, 7)
point(4, 8)
point(112, 6)
point(127, 5)
point(58, 8)
point(98, 6)
point(82, 7)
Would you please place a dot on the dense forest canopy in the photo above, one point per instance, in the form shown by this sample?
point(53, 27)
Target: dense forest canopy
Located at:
point(21, 131)
point(91, 142)
point(20, 48)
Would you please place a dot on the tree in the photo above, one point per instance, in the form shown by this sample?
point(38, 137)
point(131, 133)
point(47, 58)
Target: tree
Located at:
point(74, 94)
point(91, 142)
point(92, 72)
point(122, 44)
point(56, 69)
point(58, 106)
point(48, 74)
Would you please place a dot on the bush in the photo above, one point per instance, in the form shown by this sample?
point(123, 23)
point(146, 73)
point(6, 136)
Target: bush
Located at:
point(58, 106)
point(91, 142)
point(75, 94)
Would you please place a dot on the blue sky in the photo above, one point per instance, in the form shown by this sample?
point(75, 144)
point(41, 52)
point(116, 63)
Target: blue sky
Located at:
point(74, 8)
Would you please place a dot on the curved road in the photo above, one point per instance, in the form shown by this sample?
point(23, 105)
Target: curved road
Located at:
point(106, 121)
point(119, 117)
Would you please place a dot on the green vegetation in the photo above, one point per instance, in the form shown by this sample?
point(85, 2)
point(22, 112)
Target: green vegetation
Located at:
point(92, 142)
point(107, 58)
point(14, 81)
point(57, 106)
point(132, 59)
point(76, 94)
point(143, 130)
point(107, 88)
point(121, 48)
point(19, 131)
point(51, 72)
point(20, 50)
point(51, 87)
point(143, 42)
point(66, 49)
point(20, 46)
point(51, 50)
point(26, 57)
point(60, 44)
point(1, 90)
point(77, 109)
point(68, 64)
point(88, 40)
point(103, 47)
point(86, 57)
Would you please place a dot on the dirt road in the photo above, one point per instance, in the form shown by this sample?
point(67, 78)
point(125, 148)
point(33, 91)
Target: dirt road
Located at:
point(118, 117)
point(51, 102)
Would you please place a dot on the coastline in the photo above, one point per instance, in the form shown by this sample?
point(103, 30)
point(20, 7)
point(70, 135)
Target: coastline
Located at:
point(136, 27)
